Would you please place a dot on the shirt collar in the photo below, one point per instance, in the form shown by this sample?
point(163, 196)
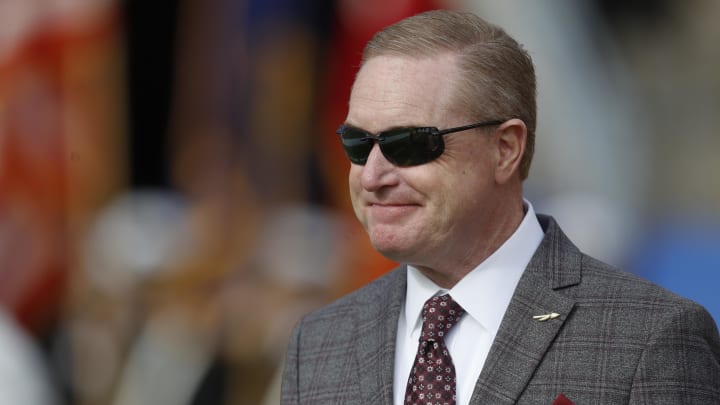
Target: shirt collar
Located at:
point(486, 291)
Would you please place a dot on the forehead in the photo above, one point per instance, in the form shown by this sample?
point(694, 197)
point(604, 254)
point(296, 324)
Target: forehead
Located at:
point(393, 91)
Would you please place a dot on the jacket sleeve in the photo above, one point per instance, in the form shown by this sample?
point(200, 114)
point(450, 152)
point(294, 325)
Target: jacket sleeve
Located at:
point(681, 361)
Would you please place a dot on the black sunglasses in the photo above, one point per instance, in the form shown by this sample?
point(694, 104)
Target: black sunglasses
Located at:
point(407, 146)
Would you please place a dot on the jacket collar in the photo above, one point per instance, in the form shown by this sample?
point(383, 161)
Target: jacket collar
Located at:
point(522, 341)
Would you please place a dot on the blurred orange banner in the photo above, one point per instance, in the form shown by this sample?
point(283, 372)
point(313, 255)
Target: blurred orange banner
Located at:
point(62, 146)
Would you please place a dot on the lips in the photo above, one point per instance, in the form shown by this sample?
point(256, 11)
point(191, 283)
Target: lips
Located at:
point(386, 213)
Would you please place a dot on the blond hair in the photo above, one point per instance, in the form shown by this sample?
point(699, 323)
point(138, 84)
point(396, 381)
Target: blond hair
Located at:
point(497, 77)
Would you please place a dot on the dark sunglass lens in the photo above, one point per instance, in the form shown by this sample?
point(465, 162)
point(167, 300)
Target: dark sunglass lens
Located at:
point(356, 144)
point(411, 146)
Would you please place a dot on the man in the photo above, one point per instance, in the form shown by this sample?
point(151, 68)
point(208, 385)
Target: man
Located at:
point(493, 304)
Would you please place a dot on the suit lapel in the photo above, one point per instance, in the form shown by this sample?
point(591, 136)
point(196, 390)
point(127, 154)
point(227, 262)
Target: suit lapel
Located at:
point(522, 341)
point(376, 330)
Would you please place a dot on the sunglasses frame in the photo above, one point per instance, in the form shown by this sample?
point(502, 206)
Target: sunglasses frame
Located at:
point(384, 138)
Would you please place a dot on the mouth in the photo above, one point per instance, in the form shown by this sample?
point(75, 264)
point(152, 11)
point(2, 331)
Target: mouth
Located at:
point(390, 212)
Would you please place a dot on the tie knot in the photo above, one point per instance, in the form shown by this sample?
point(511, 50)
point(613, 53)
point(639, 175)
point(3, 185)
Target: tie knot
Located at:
point(440, 313)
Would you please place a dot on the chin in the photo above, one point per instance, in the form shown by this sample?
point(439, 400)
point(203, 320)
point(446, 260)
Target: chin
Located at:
point(396, 252)
point(396, 243)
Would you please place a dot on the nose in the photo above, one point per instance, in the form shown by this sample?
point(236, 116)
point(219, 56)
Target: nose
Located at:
point(378, 172)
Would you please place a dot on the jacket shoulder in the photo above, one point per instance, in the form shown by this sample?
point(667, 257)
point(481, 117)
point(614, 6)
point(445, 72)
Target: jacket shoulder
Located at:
point(381, 290)
point(600, 279)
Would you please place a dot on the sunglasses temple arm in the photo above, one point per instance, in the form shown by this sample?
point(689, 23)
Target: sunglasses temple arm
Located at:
point(471, 126)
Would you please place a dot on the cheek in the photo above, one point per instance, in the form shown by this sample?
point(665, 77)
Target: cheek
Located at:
point(355, 189)
point(460, 190)
point(354, 181)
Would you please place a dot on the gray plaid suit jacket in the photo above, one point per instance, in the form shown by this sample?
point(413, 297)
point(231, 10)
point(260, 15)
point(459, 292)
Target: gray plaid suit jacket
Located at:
point(618, 340)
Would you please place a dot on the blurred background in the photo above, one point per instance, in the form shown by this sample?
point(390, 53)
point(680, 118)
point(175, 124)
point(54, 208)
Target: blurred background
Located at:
point(173, 197)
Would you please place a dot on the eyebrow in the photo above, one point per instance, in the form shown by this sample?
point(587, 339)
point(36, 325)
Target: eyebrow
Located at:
point(386, 129)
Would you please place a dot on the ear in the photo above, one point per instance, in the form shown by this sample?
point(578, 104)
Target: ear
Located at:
point(512, 136)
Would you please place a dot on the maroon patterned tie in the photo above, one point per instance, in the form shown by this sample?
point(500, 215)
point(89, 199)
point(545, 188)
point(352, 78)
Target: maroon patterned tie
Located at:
point(432, 377)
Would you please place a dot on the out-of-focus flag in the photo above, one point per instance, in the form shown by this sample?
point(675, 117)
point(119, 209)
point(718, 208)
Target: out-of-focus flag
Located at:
point(62, 148)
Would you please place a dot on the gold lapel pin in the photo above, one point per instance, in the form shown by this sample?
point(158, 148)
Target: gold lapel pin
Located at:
point(545, 317)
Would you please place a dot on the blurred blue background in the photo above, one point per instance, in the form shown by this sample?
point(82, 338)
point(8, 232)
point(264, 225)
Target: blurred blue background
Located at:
point(173, 197)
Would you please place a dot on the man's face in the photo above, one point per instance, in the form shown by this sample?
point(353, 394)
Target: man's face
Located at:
point(432, 214)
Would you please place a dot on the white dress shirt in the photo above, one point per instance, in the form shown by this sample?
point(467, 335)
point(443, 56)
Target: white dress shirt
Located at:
point(484, 293)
